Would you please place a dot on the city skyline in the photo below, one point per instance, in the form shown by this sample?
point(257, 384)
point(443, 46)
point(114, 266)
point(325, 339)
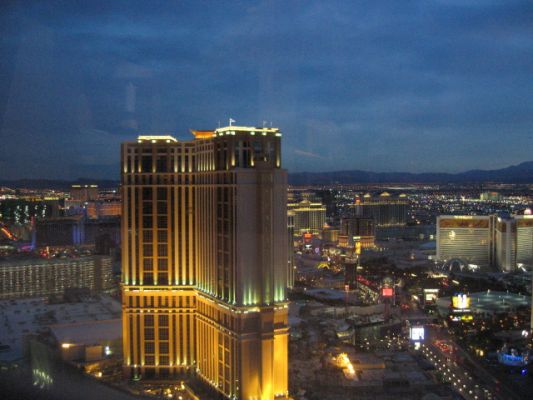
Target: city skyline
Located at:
point(371, 87)
point(266, 199)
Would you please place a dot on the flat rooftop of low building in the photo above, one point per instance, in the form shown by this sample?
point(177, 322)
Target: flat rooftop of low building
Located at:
point(88, 332)
point(376, 368)
point(22, 317)
point(326, 294)
point(490, 302)
point(66, 218)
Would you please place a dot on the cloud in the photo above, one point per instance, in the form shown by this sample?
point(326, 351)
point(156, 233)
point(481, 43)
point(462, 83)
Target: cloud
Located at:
point(417, 86)
point(308, 154)
point(132, 71)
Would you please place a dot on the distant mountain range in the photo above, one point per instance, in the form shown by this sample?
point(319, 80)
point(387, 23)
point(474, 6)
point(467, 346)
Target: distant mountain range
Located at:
point(56, 184)
point(521, 173)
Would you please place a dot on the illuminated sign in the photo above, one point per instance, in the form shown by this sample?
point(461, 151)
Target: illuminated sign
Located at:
point(514, 360)
point(387, 292)
point(358, 247)
point(430, 295)
point(416, 333)
point(461, 302)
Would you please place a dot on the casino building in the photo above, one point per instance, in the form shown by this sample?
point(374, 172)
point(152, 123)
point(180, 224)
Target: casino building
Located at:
point(309, 215)
point(40, 277)
point(465, 237)
point(204, 260)
point(501, 241)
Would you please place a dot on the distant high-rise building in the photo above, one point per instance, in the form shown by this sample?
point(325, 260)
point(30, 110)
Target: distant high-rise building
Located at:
point(21, 212)
point(505, 243)
point(61, 231)
point(385, 209)
point(500, 241)
point(358, 229)
point(350, 272)
point(490, 196)
point(84, 193)
point(204, 260)
point(104, 233)
point(290, 227)
point(467, 238)
point(99, 209)
point(309, 216)
point(330, 235)
point(524, 239)
point(38, 277)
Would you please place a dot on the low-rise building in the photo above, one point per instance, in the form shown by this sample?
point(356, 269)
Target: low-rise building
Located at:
point(39, 277)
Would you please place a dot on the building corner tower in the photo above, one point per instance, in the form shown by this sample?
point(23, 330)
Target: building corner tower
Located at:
point(204, 260)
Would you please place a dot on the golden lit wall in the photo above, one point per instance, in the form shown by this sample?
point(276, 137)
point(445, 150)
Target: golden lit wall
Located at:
point(205, 261)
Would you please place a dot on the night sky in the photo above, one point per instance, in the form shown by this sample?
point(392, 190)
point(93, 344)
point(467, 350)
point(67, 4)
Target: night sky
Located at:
point(384, 86)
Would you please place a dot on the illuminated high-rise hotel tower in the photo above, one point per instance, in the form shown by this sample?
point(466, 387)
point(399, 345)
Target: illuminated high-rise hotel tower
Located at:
point(204, 260)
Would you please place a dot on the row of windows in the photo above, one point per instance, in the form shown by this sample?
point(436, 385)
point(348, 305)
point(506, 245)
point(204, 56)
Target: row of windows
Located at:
point(149, 346)
point(148, 264)
point(50, 279)
point(162, 250)
point(180, 178)
point(148, 235)
point(161, 221)
point(161, 302)
point(161, 207)
point(175, 178)
point(159, 163)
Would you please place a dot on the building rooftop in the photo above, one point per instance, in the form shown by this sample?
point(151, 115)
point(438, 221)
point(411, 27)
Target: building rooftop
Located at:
point(202, 134)
point(18, 261)
point(22, 317)
point(88, 332)
point(252, 130)
point(156, 138)
point(489, 302)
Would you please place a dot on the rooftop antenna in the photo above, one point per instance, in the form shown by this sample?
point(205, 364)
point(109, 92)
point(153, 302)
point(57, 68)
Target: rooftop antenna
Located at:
point(231, 121)
point(264, 123)
point(271, 124)
point(219, 123)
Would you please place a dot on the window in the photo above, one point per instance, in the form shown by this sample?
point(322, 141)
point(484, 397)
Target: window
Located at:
point(149, 347)
point(163, 335)
point(161, 164)
point(162, 236)
point(148, 250)
point(162, 222)
point(147, 194)
point(147, 222)
point(162, 264)
point(162, 207)
point(148, 263)
point(147, 235)
point(146, 164)
point(162, 278)
point(161, 194)
point(148, 278)
point(162, 250)
point(149, 360)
